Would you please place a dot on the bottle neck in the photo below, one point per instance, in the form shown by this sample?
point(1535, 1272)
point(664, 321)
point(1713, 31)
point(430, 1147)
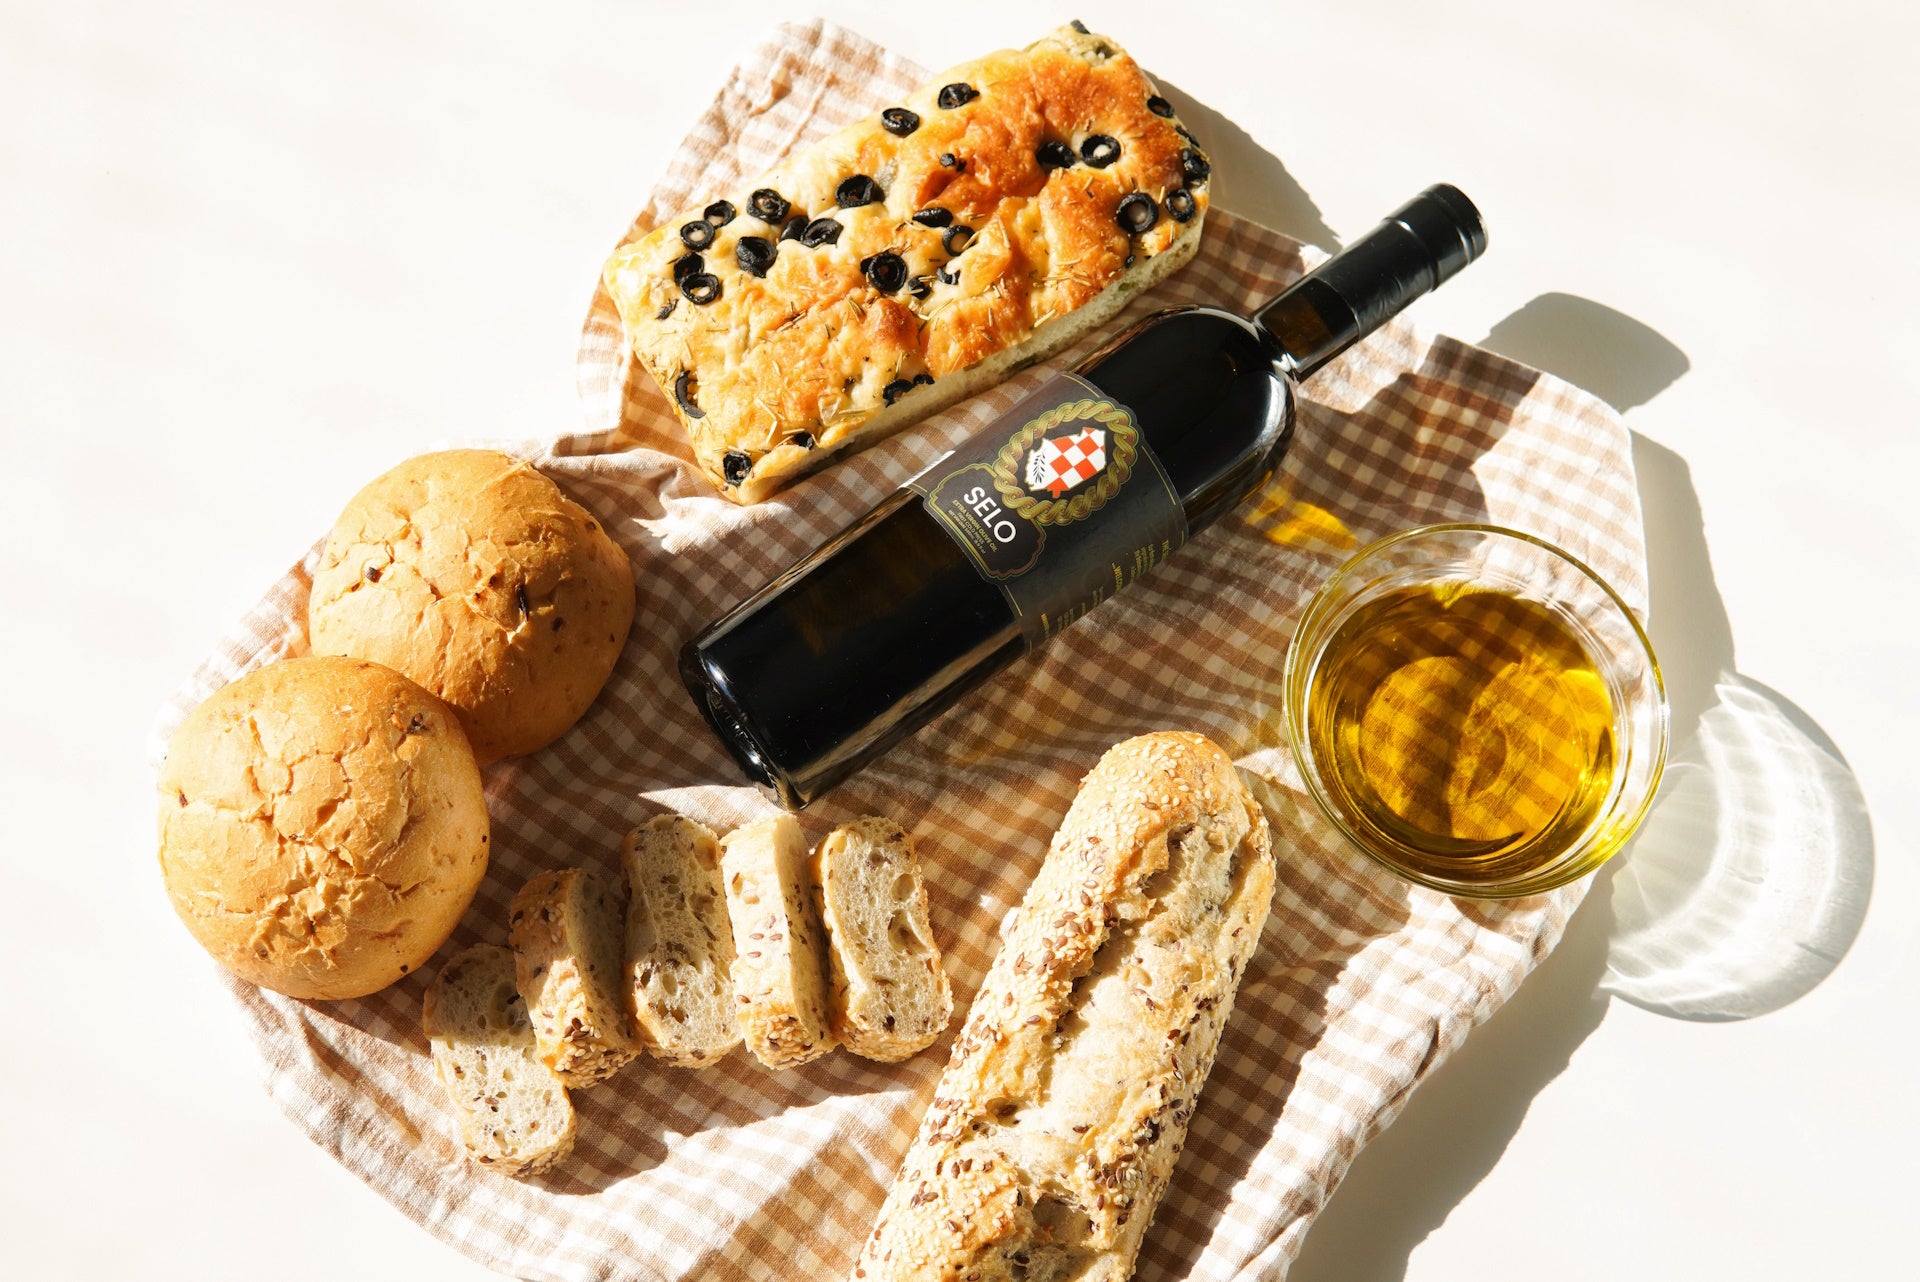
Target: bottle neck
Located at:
point(1308, 325)
point(1417, 248)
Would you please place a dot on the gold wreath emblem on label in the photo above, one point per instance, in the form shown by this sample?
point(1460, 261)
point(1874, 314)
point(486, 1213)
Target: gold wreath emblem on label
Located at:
point(1008, 463)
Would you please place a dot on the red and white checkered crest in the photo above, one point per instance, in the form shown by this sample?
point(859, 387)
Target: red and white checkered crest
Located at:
point(1063, 462)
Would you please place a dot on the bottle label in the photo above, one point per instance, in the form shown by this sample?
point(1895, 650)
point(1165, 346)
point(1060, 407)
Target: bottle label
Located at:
point(1060, 503)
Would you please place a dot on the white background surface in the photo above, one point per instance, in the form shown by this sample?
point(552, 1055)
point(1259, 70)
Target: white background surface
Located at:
point(251, 255)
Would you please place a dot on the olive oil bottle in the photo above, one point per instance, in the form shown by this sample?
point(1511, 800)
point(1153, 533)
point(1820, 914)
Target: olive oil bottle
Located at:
point(1092, 481)
point(1466, 732)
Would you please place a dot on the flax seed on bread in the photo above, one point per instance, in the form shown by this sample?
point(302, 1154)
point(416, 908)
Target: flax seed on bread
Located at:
point(888, 994)
point(679, 944)
point(1055, 1127)
point(512, 1109)
point(567, 932)
point(778, 971)
point(923, 253)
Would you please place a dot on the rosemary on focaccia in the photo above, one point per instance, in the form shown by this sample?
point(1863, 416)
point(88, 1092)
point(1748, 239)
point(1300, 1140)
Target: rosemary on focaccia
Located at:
point(912, 259)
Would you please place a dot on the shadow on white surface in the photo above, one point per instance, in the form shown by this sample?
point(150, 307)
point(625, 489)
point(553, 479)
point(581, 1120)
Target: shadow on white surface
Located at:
point(1249, 179)
point(1592, 346)
point(1741, 893)
point(1751, 876)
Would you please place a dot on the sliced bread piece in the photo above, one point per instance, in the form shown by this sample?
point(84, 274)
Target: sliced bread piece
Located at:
point(513, 1110)
point(679, 942)
point(566, 930)
point(778, 979)
point(888, 995)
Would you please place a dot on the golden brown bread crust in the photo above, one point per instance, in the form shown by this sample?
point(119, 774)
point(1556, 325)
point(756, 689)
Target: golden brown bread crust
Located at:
point(779, 372)
point(472, 573)
point(322, 826)
point(1058, 1120)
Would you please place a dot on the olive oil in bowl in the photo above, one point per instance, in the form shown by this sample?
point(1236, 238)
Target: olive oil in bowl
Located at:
point(1476, 710)
point(1466, 729)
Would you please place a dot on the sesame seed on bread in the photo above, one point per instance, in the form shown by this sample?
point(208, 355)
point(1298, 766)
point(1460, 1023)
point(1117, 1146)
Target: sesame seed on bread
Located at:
point(1055, 1127)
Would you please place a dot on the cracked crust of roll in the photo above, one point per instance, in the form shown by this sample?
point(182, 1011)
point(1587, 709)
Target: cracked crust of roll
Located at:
point(322, 826)
point(566, 928)
point(512, 1110)
point(779, 979)
point(888, 992)
point(790, 370)
point(473, 574)
point(679, 943)
point(1056, 1125)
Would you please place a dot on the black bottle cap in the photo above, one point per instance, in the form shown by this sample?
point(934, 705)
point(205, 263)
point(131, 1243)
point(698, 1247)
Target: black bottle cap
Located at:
point(1415, 249)
point(1448, 224)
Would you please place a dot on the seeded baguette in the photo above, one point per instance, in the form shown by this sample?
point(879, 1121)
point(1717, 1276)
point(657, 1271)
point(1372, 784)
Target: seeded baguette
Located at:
point(1056, 1125)
point(679, 949)
point(566, 930)
point(778, 976)
point(780, 354)
point(512, 1110)
point(888, 994)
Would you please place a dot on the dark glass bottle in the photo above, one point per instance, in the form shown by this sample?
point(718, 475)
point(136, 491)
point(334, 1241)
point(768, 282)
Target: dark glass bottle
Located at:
point(884, 626)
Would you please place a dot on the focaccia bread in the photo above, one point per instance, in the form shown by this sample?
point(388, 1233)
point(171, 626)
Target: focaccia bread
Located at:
point(1058, 1120)
point(912, 259)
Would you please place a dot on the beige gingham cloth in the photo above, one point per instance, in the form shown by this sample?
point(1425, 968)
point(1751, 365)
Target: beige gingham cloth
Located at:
point(1361, 986)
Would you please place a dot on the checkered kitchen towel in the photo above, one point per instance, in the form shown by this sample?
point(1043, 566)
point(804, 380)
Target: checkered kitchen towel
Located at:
point(1361, 986)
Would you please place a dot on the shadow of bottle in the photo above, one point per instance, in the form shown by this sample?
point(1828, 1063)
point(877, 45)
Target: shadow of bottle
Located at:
point(1592, 346)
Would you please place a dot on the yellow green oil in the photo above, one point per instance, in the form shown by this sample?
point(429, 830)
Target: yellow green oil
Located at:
point(1465, 732)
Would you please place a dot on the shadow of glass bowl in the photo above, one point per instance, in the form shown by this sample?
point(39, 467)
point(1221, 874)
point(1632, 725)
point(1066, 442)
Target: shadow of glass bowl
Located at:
point(1750, 877)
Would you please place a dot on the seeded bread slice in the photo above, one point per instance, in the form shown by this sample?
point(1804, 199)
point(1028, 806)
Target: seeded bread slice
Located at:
point(888, 994)
point(679, 942)
point(513, 1110)
point(566, 931)
point(778, 975)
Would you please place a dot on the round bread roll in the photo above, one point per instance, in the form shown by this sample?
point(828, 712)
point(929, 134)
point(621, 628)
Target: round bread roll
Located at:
point(473, 574)
point(322, 826)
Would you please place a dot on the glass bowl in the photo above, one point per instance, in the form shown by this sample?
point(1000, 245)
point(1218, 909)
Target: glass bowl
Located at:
point(1476, 710)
